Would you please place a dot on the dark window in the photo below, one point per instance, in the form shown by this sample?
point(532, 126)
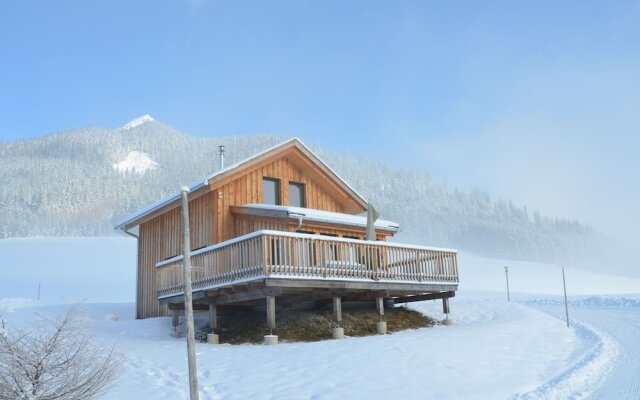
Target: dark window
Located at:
point(296, 194)
point(271, 191)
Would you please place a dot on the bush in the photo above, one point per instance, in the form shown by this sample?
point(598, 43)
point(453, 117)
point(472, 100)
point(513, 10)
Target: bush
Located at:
point(55, 360)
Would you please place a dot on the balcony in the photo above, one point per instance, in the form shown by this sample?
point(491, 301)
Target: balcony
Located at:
point(275, 258)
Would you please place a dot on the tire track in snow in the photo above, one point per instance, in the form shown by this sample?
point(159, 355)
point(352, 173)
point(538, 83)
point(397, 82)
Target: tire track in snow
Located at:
point(583, 378)
point(624, 325)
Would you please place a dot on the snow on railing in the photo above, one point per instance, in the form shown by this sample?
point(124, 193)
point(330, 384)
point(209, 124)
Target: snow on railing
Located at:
point(289, 255)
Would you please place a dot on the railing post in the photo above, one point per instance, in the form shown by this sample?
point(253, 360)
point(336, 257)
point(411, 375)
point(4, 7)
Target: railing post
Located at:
point(265, 256)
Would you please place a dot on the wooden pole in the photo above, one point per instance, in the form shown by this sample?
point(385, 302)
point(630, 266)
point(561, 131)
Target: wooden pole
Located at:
point(566, 305)
point(506, 272)
point(188, 305)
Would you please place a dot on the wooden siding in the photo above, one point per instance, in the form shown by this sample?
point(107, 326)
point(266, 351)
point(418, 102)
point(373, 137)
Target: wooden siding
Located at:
point(245, 224)
point(213, 222)
point(160, 239)
point(247, 188)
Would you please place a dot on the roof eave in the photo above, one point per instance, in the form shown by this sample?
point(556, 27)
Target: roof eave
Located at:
point(153, 207)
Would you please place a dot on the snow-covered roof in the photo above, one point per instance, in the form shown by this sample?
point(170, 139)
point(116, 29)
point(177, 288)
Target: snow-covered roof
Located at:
point(203, 182)
point(309, 214)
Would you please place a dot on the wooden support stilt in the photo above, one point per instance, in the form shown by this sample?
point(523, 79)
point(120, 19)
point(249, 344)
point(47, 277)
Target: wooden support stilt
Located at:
point(175, 318)
point(381, 326)
point(213, 316)
point(337, 309)
point(271, 312)
point(445, 310)
point(380, 306)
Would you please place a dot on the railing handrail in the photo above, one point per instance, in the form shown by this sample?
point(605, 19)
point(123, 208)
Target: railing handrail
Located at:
point(305, 236)
point(287, 255)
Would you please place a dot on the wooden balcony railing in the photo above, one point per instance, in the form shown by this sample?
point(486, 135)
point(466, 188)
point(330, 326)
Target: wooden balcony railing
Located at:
point(274, 254)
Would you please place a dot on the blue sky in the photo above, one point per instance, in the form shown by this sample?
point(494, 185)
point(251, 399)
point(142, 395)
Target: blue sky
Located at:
point(534, 101)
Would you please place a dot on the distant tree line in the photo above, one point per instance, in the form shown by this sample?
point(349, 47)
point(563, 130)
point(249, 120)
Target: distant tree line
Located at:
point(65, 185)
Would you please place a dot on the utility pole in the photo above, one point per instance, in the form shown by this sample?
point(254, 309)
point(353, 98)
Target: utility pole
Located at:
point(188, 305)
point(566, 305)
point(506, 273)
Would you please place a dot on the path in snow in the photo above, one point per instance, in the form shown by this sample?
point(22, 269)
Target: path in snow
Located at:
point(623, 325)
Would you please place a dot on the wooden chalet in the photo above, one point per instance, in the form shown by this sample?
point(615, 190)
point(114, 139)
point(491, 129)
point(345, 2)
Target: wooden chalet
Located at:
point(284, 227)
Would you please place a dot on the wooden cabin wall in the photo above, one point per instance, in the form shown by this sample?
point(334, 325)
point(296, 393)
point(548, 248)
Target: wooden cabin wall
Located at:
point(247, 188)
point(161, 238)
point(245, 224)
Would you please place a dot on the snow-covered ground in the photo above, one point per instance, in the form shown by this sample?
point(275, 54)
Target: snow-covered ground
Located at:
point(135, 161)
point(495, 350)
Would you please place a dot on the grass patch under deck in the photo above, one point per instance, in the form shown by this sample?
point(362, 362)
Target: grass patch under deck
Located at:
point(249, 326)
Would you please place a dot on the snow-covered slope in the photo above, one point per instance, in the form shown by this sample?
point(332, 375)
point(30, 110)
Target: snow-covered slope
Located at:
point(494, 350)
point(481, 357)
point(530, 278)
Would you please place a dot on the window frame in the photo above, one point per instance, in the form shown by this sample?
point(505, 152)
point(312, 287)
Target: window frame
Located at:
point(301, 187)
point(278, 187)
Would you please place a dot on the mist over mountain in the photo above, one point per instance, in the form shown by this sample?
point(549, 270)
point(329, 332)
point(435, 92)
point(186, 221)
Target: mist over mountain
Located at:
point(80, 182)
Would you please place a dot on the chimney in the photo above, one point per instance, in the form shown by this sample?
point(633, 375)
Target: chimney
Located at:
point(221, 152)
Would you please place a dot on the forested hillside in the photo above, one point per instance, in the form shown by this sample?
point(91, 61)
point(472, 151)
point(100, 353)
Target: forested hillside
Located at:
point(80, 182)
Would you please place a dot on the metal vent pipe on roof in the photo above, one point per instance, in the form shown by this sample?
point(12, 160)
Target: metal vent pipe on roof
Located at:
point(221, 152)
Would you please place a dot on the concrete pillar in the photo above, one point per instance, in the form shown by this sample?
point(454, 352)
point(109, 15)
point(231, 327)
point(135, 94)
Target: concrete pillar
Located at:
point(381, 327)
point(337, 332)
point(212, 338)
point(270, 340)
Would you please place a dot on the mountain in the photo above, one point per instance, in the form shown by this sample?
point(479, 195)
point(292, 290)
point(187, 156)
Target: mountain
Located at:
point(80, 182)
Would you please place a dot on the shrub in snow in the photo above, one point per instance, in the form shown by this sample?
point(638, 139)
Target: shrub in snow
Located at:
point(55, 360)
point(111, 317)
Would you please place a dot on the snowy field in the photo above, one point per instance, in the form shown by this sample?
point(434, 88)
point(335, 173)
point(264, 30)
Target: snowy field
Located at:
point(495, 350)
